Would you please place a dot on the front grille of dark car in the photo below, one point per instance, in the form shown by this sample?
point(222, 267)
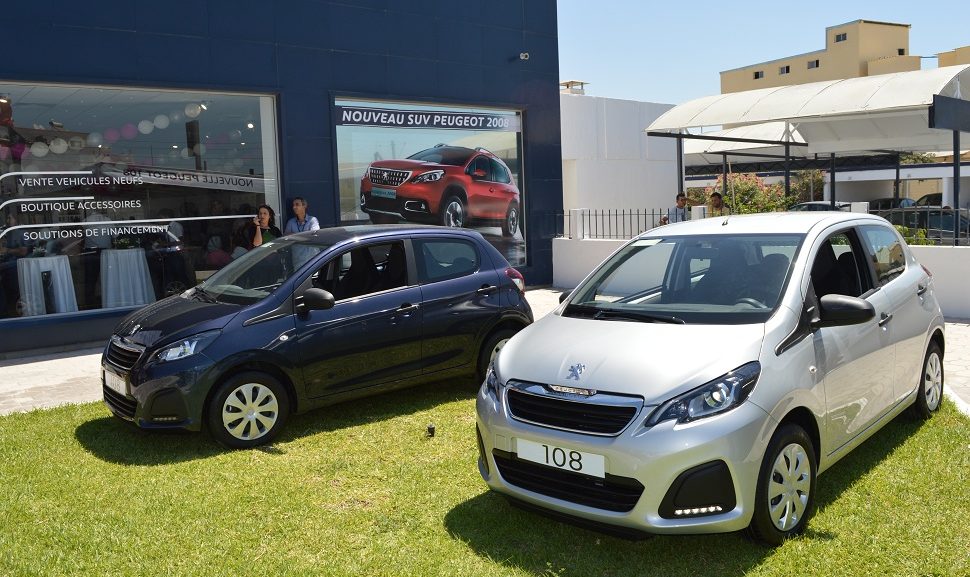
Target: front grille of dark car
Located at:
point(613, 493)
point(583, 416)
point(388, 176)
point(123, 355)
point(119, 403)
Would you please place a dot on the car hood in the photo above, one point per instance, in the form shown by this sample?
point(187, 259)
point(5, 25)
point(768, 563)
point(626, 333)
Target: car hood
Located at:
point(408, 164)
point(651, 360)
point(173, 317)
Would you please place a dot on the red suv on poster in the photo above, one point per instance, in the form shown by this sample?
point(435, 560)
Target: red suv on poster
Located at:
point(447, 185)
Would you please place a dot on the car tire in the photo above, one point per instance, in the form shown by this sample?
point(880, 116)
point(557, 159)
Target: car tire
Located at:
point(453, 213)
point(490, 347)
point(248, 409)
point(510, 225)
point(930, 393)
point(383, 219)
point(785, 496)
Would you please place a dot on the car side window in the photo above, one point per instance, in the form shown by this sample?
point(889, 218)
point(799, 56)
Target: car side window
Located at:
point(886, 252)
point(364, 270)
point(480, 163)
point(499, 173)
point(442, 259)
point(836, 269)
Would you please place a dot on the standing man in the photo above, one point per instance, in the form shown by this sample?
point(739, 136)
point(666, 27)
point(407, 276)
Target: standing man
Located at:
point(677, 213)
point(717, 205)
point(301, 222)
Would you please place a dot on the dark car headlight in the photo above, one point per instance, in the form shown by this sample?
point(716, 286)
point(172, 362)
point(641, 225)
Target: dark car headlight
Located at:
point(712, 398)
point(185, 347)
point(430, 176)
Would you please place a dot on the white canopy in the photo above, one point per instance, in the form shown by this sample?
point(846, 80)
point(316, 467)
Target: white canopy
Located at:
point(705, 152)
point(884, 112)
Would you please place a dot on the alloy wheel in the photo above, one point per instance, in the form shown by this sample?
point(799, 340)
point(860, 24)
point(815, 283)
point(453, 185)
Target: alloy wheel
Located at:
point(454, 214)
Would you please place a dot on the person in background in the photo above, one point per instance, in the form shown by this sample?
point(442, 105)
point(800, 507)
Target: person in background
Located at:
point(677, 213)
point(301, 221)
point(13, 246)
point(264, 227)
point(717, 207)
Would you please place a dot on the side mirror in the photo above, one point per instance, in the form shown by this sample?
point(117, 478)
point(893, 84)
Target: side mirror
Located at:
point(840, 310)
point(315, 299)
point(564, 295)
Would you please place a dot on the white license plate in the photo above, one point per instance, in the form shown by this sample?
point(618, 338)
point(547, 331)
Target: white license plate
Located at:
point(561, 458)
point(115, 383)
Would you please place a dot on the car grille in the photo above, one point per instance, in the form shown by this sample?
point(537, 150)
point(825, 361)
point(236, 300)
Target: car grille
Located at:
point(388, 176)
point(119, 403)
point(123, 355)
point(582, 416)
point(619, 494)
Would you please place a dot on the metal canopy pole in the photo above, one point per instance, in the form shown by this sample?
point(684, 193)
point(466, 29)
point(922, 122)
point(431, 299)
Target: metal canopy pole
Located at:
point(896, 184)
point(832, 180)
point(680, 163)
point(787, 170)
point(724, 182)
point(956, 187)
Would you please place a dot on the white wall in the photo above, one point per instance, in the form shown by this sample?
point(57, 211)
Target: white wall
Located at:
point(573, 259)
point(608, 160)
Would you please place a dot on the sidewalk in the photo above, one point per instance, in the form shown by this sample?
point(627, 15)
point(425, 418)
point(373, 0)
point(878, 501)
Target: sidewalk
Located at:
point(75, 377)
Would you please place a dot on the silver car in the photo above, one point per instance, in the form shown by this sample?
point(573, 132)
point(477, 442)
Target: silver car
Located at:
point(702, 376)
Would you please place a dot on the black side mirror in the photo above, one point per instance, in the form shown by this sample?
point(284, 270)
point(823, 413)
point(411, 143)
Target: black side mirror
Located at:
point(314, 299)
point(840, 310)
point(564, 295)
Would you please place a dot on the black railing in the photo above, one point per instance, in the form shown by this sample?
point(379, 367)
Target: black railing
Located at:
point(929, 224)
point(607, 223)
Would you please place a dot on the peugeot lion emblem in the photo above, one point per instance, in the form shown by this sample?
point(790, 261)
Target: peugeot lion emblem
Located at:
point(575, 371)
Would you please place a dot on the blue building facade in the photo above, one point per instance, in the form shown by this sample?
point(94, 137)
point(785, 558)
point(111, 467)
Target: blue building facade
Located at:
point(282, 68)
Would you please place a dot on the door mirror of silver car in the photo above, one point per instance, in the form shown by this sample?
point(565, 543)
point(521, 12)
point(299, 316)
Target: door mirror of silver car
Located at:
point(839, 310)
point(314, 299)
point(564, 295)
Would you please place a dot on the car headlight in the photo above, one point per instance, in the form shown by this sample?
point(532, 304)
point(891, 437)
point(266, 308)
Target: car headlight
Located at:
point(185, 347)
point(430, 176)
point(713, 398)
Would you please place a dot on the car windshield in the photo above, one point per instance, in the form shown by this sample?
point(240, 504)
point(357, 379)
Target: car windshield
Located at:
point(259, 272)
point(444, 155)
point(715, 279)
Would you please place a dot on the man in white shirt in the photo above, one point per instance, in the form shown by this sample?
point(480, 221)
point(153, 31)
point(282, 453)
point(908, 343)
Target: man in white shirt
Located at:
point(677, 213)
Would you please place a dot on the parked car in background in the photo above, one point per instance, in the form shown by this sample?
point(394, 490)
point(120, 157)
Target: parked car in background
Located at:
point(936, 222)
point(701, 378)
point(819, 205)
point(446, 185)
point(312, 319)
point(932, 199)
point(890, 202)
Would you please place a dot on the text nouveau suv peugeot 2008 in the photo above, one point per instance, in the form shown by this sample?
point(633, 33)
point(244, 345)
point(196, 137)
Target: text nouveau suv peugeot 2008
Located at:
point(312, 319)
point(700, 378)
point(447, 185)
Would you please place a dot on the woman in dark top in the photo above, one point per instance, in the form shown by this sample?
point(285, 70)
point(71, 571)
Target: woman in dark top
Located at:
point(264, 227)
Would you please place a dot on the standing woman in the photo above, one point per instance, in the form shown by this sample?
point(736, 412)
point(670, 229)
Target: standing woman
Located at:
point(264, 225)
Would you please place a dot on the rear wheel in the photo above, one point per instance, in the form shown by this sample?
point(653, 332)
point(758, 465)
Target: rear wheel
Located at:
point(491, 347)
point(930, 384)
point(453, 212)
point(785, 495)
point(248, 410)
point(511, 223)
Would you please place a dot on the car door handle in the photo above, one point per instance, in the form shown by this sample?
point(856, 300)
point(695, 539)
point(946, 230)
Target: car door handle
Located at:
point(921, 289)
point(486, 289)
point(885, 318)
point(407, 308)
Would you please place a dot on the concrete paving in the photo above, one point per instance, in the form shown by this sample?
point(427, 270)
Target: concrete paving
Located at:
point(51, 380)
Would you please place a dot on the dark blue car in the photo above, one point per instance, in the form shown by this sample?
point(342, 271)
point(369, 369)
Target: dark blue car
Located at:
point(313, 319)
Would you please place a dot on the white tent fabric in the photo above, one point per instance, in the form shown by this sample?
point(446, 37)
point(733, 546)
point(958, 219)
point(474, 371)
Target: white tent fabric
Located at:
point(886, 112)
point(703, 152)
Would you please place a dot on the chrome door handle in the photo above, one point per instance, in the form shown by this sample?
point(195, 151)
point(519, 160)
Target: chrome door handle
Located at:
point(885, 319)
point(407, 308)
point(486, 289)
point(921, 289)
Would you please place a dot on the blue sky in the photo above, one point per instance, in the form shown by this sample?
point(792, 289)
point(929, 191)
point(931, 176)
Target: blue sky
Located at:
point(672, 52)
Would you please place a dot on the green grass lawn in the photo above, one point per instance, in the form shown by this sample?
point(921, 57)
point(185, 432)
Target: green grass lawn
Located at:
point(358, 489)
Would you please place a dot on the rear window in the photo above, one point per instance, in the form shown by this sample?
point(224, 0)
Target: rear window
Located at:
point(443, 259)
point(886, 251)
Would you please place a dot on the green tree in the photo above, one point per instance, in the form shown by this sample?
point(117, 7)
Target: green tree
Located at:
point(745, 194)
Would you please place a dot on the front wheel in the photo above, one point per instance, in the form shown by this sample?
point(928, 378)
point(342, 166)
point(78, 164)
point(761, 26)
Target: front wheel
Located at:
point(248, 410)
point(453, 213)
point(511, 223)
point(490, 348)
point(786, 487)
point(930, 384)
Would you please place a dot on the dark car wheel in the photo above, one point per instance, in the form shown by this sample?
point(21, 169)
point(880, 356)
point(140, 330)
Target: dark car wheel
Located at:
point(492, 345)
point(930, 392)
point(511, 223)
point(786, 487)
point(383, 219)
point(248, 410)
point(453, 213)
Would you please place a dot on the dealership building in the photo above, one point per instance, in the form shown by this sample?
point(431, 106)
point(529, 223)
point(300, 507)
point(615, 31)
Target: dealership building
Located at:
point(138, 140)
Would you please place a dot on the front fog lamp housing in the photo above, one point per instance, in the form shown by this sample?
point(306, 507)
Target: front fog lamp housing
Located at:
point(185, 347)
point(722, 394)
point(430, 176)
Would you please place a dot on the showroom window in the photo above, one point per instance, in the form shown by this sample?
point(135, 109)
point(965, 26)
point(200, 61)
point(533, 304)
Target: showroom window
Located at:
point(117, 197)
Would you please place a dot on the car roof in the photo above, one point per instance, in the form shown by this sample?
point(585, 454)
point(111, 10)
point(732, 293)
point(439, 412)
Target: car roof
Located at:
point(764, 223)
point(340, 234)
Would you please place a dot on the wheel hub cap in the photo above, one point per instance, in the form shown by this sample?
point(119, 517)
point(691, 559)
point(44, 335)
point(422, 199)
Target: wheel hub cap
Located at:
point(789, 487)
point(250, 411)
point(933, 381)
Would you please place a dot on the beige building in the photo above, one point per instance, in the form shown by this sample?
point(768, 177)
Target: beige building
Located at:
point(853, 49)
point(954, 57)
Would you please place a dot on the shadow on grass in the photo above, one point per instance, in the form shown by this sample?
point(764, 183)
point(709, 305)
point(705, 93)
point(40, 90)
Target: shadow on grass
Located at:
point(537, 544)
point(117, 441)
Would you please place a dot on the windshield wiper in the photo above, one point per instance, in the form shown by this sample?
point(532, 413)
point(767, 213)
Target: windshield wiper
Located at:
point(205, 295)
point(638, 316)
